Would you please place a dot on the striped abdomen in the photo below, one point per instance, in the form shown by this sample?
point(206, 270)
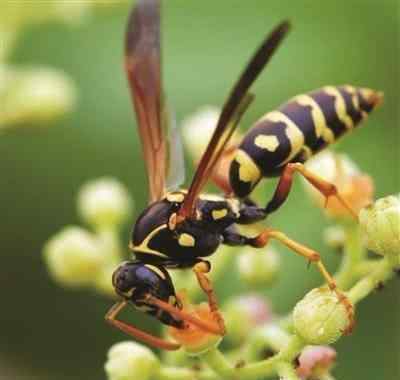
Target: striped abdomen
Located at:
point(298, 129)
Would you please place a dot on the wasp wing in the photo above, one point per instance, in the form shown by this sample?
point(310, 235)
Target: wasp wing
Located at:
point(176, 161)
point(236, 104)
point(143, 68)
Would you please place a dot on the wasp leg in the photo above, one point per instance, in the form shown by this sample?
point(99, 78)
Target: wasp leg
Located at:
point(262, 240)
point(285, 183)
point(187, 317)
point(201, 269)
point(136, 333)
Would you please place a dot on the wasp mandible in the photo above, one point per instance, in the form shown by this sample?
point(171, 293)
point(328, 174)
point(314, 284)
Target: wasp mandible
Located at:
point(181, 228)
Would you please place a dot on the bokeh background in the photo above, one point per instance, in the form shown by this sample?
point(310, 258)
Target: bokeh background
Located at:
point(47, 332)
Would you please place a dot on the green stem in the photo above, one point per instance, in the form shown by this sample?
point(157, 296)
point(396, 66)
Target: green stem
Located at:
point(174, 373)
point(383, 271)
point(216, 360)
point(268, 367)
point(353, 255)
point(286, 371)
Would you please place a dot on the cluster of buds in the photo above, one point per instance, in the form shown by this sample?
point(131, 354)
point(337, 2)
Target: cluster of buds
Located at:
point(78, 257)
point(36, 95)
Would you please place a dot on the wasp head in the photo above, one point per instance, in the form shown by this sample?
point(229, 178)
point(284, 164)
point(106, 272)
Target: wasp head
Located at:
point(135, 281)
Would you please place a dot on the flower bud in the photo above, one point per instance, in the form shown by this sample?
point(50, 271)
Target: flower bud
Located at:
point(380, 226)
point(104, 202)
point(334, 236)
point(315, 362)
point(73, 257)
point(258, 268)
point(319, 318)
point(242, 314)
point(194, 340)
point(355, 187)
point(131, 361)
point(36, 95)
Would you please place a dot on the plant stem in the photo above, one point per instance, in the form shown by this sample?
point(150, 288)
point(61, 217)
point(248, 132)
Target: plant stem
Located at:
point(286, 371)
point(352, 256)
point(174, 373)
point(216, 360)
point(268, 367)
point(383, 271)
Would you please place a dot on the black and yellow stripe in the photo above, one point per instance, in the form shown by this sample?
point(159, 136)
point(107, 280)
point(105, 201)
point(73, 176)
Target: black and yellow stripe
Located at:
point(298, 129)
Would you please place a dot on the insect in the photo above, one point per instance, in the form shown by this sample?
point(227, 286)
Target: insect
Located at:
point(181, 228)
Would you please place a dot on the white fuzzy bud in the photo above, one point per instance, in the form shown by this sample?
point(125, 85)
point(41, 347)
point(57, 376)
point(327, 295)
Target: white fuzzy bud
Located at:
point(73, 257)
point(380, 226)
point(104, 202)
point(36, 95)
point(131, 361)
point(319, 318)
point(258, 269)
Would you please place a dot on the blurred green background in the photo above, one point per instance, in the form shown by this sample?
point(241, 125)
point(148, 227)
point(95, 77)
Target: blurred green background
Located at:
point(51, 333)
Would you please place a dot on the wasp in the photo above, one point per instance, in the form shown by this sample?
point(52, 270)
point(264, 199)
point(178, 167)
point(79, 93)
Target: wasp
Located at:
point(181, 228)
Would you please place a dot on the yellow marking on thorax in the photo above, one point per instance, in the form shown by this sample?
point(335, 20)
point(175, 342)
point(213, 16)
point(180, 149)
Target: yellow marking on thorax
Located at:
point(293, 133)
point(267, 142)
point(219, 214)
point(175, 197)
point(143, 246)
point(155, 269)
point(248, 170)
point(321, 127)
point(186, 240)
point(340, 106)
point(212, 197)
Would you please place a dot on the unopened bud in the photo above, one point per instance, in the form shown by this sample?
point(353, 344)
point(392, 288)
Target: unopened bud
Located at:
point(380, 226)
point(131, 361)
point(73, 257)
point(37, 95)
point(315, 362)
point(242, 314)
point(104, 202)
point(320, 318)
point(258, 269)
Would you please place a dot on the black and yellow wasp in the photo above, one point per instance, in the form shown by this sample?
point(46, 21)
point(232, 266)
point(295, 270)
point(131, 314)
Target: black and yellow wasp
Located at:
point(181, 228)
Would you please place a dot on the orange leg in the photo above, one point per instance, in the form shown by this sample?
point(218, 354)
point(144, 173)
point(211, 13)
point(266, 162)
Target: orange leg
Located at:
point(262, 240)
point(137, 333)
point(285, 183)
point(200, 270)
point(185, 316)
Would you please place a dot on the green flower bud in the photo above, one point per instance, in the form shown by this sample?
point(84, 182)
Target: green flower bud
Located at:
point(242, 314)
point(104, 202)
point(380, 226)
point(73, 257)
point(334, 236)
point(131, 361)
point(258, 268)
point(319, 318)
point(36, 95)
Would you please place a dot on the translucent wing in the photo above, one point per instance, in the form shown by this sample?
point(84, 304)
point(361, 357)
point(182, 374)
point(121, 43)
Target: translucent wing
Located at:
point(142, 63)
point(176, 160)
point(233, 109)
